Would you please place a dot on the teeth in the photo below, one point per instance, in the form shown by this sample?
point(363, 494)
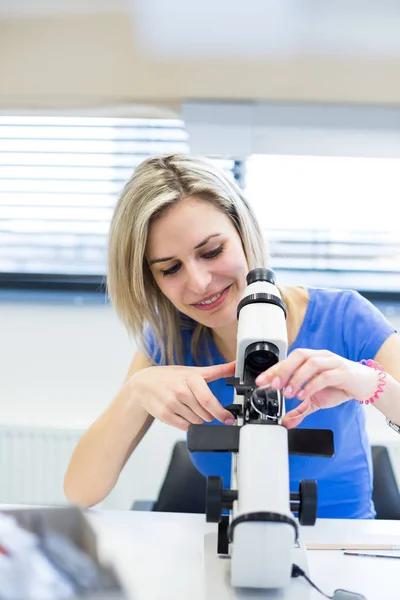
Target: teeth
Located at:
point(214, 299)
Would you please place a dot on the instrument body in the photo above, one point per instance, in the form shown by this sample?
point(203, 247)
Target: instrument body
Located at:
point(261, 533)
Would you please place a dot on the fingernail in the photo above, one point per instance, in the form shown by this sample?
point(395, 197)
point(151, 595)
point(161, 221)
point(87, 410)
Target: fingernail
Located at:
point(230, 421)
point(301, 394)
point(288, 390)
point(276, 383)
point(261, 379)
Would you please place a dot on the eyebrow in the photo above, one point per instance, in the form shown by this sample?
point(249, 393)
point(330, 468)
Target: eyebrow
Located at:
point(167, 258)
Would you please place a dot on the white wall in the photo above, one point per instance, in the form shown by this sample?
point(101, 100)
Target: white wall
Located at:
point(62, 362)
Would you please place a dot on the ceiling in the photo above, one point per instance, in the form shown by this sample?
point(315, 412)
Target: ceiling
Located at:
point(270, 28)
point(259, 29)
point(159, 53)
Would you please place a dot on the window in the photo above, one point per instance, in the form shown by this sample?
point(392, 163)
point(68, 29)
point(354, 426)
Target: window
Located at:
point(59, 182)
point(330, 221)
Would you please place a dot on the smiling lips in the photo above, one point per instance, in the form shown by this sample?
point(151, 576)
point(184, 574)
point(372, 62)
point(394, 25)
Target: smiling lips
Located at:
point(213, 301)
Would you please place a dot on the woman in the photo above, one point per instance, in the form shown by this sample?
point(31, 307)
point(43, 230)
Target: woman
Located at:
point(182, 240)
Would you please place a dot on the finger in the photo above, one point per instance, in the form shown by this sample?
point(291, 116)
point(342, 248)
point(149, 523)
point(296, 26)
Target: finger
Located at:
point(178, 422)
point(330, 378)
point(281, 372)
point(189, 415)
point(194, 404)
point(217, 371)
point(308, 371)
point(294, 417)
point(208, 401)
point(168, 414)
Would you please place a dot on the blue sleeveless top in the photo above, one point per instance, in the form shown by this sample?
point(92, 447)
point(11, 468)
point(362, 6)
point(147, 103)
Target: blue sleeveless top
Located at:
point(345, 323)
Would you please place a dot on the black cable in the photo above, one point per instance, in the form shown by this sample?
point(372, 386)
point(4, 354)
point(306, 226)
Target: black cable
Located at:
point(297, 572)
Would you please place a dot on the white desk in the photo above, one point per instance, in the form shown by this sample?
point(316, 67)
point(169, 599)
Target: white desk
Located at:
point(160, 556)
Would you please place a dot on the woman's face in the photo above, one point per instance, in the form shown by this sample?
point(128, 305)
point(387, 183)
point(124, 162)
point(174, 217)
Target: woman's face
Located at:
point(197, 259)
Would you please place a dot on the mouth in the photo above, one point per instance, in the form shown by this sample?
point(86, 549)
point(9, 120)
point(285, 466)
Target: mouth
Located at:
point(213, 301)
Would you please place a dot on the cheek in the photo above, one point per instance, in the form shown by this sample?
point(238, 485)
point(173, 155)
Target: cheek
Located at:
point(169, 287)
point(234, 264)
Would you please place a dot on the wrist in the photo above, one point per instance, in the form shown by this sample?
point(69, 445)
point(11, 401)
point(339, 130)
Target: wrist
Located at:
point(129, 415)
point(130, 397)
point(379, 383)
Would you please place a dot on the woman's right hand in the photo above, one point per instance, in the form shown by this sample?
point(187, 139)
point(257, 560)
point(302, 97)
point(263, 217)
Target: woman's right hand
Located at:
point(180, 396)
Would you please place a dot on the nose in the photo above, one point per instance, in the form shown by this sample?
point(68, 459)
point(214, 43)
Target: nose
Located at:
point(198, 279)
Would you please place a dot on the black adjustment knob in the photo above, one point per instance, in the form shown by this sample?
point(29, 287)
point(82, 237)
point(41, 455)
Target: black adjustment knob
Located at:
point(218, 499)
point(261, 275)
point(294, 502)
point(228, 498)
point(308, 502)
point(214, 499)
point(235, 409)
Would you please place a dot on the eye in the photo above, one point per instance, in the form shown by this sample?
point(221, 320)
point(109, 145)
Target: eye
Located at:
point(171, 271)
point(213, 253)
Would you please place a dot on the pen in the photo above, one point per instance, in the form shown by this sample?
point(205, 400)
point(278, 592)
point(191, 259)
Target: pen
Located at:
point(345, 546)
point(373, 555)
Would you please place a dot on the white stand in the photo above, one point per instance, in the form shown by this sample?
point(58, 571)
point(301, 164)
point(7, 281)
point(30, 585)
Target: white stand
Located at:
point(262, 551)
point(217, 577)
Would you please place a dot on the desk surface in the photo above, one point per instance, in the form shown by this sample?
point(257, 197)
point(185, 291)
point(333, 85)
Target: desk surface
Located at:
point(160, 556)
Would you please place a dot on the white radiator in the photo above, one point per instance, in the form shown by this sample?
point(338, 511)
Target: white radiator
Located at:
point(33, 462)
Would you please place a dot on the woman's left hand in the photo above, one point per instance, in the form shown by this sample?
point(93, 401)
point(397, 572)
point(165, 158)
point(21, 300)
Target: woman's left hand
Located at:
point(320, 379)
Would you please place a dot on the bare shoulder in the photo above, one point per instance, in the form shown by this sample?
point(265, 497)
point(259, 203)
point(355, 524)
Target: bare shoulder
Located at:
point(388, 355)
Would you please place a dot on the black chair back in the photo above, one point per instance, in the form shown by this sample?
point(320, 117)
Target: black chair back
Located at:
point(184, 487)
point(385, 493)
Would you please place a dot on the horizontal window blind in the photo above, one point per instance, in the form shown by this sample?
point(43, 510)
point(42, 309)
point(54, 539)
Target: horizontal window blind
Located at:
point(368, 261)
point(329, 221)
point(59, 181)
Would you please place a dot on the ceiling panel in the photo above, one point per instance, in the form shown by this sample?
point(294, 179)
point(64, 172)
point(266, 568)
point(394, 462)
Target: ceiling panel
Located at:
point(262, 29)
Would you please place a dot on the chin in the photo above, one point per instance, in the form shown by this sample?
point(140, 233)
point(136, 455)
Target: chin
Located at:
point(215, 321)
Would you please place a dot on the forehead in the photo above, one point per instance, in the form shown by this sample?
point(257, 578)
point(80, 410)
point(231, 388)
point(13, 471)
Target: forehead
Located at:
point(186, 224)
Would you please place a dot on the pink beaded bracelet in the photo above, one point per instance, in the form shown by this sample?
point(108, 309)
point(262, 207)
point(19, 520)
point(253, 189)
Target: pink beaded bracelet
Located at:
point(382, 380)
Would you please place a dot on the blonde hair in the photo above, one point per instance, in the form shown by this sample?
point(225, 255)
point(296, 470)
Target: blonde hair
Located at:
point(156, 184)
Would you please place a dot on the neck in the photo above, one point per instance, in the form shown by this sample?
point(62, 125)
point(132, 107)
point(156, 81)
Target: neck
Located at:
point(225, 339)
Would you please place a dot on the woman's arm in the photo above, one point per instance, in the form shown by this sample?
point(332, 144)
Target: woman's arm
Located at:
point(322, 379)
point(176, 395)
point(106, 446)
